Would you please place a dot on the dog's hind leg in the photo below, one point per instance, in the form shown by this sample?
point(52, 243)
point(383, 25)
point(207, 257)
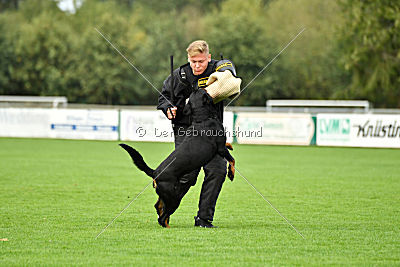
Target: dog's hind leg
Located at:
point(163, 218)
point(159, 206)
point(167, 202)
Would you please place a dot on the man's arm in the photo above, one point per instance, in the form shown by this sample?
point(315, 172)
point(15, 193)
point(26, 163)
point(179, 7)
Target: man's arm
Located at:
point(164, 99)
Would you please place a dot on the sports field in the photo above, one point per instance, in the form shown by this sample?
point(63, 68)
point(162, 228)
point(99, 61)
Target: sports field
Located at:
point(57, 195)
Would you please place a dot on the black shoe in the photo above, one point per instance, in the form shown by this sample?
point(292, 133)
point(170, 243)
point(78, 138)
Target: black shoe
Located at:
point(202, 223)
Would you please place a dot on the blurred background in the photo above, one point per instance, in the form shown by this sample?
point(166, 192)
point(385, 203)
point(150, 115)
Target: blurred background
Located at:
point(349, 50)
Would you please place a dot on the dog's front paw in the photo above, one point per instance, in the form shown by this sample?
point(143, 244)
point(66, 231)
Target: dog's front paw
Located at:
point(231, 170)
point(229, 146)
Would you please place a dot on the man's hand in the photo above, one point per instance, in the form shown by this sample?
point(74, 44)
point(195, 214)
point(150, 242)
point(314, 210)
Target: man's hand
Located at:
point(171, 113)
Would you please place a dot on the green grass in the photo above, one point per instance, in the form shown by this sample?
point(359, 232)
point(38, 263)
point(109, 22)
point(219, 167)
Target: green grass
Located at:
point(57, 195)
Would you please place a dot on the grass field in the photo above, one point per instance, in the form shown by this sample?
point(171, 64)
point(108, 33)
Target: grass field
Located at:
point(57, 195)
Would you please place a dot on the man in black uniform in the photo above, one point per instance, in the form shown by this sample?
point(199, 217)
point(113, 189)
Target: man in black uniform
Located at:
point(185, 79)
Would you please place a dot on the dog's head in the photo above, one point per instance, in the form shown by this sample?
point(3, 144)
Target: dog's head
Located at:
point(200, 104)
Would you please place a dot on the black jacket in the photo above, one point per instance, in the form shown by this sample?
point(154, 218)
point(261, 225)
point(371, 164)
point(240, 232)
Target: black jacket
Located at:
point(184, 82)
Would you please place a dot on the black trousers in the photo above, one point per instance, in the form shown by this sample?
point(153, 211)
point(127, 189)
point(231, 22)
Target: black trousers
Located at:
point(215, 173)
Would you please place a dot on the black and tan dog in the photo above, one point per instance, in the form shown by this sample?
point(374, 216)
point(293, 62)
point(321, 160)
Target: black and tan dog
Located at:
point(204, 139)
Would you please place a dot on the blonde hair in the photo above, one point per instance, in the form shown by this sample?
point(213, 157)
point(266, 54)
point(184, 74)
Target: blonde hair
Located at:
point(197, 47)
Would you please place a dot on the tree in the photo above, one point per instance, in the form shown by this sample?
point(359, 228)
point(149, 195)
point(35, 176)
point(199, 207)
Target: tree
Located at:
point(243, 38)
point(9, 4)
point(371, 39)
point(310, 67)
point(103, 74)
point(348, 53)
point(42, 49)
point(7, 59)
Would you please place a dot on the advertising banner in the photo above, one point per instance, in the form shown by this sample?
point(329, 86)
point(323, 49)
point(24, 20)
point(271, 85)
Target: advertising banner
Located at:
point(358, 130)
point(59, 123)
point(24, 122)
point(153, 126)
point(141, 125)
point(274, 128)
point(84, 124)
point(228, 126)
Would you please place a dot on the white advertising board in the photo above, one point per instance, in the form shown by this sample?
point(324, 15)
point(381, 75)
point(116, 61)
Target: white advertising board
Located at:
point(24, 122)
point(84, 124)
point(228, 126)
point(358, 130)
point(140, 125)
point(153, 126)
point(274, 128)
point(59, 123)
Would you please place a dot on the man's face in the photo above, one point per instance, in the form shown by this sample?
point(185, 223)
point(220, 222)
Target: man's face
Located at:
point(199, 63)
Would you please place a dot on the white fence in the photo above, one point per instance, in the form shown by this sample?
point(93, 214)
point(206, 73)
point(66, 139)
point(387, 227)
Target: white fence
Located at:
point(127, 125)
point(360, 130)
point(274, 128)
point(318, 105)
point(55, 101)
point(59, 123)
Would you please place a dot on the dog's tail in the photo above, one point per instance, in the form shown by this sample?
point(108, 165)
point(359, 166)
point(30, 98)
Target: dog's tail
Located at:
point(138, 160)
